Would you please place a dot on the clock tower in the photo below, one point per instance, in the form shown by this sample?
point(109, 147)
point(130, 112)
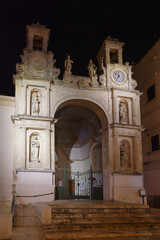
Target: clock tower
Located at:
point(110, 60)
point(125, 127)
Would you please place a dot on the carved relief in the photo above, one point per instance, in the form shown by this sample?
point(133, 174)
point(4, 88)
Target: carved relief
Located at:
point(102, 80)
point(35, 147)
point(68, 64)
point(35, 102)
point(38, 62)
point(123, 112)
point(125, 154)
point(92, 71)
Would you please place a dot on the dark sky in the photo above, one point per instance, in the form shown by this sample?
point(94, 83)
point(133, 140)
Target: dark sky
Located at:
point(78, 28)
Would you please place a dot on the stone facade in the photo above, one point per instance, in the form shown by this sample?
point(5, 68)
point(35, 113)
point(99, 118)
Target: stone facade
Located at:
point(147, 74)
point(107, 99)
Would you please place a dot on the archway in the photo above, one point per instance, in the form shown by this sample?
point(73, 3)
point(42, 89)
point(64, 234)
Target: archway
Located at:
point(79, 136)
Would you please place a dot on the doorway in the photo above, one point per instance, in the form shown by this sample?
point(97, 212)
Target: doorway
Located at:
point(78, 144)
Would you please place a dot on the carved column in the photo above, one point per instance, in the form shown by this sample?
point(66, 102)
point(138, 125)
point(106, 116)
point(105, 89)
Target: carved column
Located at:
point(107, 55)
point(116, 154)
point(120, 56)
point(48, 149)
point(137, 153)
point(53, 146)
point(47, 102)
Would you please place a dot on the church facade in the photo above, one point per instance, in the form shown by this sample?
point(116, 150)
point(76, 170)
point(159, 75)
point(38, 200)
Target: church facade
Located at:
point(77, 124)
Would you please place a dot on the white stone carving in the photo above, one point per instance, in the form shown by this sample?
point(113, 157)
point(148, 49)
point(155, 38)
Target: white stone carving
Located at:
point(35, 102)
point(123, 112)
point(35, 147)
point(125, 154)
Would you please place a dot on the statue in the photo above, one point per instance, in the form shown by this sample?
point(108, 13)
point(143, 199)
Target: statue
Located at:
point(35, 103)
point(102, 80)
point(124, 154)
point(92, 69)
point(35, 148)
point(123, 113)
point(20, 68)
point(68, 64)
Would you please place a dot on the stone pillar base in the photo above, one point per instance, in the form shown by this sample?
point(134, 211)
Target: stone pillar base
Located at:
point(37, 186)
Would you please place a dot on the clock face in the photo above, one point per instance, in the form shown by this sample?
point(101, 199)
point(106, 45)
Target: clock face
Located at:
point(118, 76)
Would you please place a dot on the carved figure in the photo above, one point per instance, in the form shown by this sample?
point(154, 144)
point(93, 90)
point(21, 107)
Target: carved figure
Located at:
point(19, 68)
point(123, 113)
point(92, 69)
point(102, 80)
point(68, 64)
point(35, 103)
point(124, 154)
point(35, 148)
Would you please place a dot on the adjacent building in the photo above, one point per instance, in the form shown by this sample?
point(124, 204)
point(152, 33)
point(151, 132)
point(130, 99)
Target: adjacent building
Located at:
point(147, 74)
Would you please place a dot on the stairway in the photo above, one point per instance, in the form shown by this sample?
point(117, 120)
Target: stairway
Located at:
point(84, 221)
point(26, 225)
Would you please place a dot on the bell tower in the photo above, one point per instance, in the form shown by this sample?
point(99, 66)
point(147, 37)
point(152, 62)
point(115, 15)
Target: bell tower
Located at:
point(33, 123)
point(37, 37)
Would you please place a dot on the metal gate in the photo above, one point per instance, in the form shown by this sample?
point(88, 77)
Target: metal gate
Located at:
point(79, 185)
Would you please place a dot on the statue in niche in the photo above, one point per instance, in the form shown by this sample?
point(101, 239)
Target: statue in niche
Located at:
point(35, 147)
point(68, 64)
point(124, 154)
point(35, 103)
point(123, 113)
point(92, 71)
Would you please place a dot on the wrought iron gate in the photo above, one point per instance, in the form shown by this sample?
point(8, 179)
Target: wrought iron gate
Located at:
point(79, 185)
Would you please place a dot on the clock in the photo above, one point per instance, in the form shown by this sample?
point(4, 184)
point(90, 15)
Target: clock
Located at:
point(118, 76)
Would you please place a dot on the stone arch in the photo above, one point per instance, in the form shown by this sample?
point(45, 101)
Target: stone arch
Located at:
point(102, 142)
point(97, 108)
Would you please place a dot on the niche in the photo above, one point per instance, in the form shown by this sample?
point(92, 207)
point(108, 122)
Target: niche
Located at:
point(123, 112)
point(125, 161)
point(35, 102)
point(35, 147)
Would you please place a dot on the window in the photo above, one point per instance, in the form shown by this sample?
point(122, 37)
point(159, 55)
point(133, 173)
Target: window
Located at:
point(113, 56)
point(151, 93)
point(155, 142)
point(37, 42)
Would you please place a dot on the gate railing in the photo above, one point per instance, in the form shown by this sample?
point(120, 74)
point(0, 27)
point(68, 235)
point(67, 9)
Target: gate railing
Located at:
point(78, 184)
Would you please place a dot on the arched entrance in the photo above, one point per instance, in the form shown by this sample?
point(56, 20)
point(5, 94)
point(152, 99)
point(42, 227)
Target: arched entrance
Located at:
point(78, 145)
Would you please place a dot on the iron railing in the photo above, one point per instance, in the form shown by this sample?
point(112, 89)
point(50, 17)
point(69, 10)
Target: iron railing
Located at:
point(153, 201)
point(79, 184)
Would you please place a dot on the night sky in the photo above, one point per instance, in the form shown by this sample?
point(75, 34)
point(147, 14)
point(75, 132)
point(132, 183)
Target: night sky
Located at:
point(78, 28)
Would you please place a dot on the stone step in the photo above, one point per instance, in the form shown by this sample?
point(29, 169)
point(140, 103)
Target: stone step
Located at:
point(24, 211)
point(102, 235)
point(103, 214)
point(20, 221)
point(105, 220)
point(82, 227)
point(98, 211)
